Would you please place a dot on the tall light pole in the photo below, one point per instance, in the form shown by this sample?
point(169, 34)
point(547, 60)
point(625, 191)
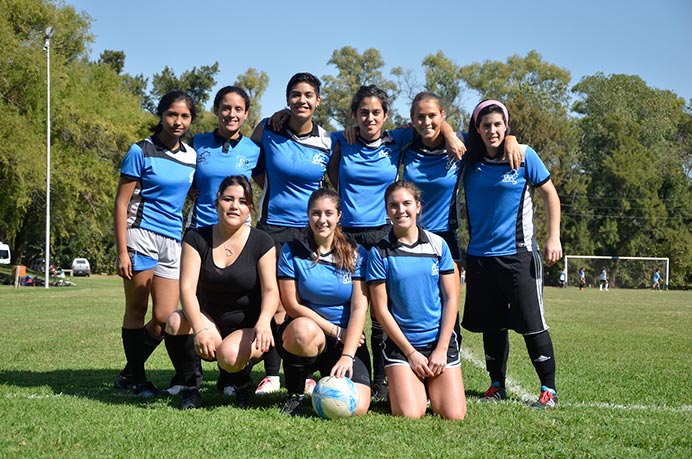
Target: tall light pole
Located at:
point(46, 48)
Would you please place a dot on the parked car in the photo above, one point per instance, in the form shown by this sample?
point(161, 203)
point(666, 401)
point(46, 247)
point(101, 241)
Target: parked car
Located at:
point(5, 257)
point(81, 267)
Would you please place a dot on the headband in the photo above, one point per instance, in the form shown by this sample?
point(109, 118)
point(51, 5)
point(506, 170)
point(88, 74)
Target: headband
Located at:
point(487, 103)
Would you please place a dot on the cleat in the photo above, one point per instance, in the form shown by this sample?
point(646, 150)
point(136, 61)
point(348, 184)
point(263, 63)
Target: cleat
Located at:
point(494, 394)
point(175, 390)
point(380, 392)
point(147, 390)
point(122, 382)
point(190, 399)
point(243, 395)
point(309, 386)
point(293, 405)
point(547, 399)
point(268, 385)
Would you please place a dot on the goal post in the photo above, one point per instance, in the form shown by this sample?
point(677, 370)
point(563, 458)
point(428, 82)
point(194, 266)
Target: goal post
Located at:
point(664, 260)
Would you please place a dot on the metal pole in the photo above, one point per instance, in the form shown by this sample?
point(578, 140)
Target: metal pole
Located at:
point(46, 47)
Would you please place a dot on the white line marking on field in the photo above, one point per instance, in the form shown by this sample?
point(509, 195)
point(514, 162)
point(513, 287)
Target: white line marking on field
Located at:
point(527, 397)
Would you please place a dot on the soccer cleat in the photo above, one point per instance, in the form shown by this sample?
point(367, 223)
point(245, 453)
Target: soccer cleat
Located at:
point(190, 399)
point(380, 392)
point(122, 382)
point(147, 390)
point(309, 386)
point(495, 393)
point(293, 405)
point(243, 395)
point(547, 399)
point(268, 385)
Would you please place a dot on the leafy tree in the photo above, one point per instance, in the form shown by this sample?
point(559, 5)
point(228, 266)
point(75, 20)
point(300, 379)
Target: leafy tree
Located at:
point(353, 71)
point(197, 82)
point(115, 59)
point(443, 78)
point(255, 83)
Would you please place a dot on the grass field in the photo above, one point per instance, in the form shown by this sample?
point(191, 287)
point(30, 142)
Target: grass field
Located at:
point(624, 362)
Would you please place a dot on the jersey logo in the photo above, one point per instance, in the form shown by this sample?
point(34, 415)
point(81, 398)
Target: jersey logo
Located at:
point(511, 177)
point(385, 153)
point(203, 156)
point(347, 278)
point(242, 163)
point(436, 268)
point(451, 164)
point(320, 159)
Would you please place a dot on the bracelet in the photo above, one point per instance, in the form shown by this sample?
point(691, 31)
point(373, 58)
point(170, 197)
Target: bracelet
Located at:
point(205, 328)
point(349, 355)
point(411, 353)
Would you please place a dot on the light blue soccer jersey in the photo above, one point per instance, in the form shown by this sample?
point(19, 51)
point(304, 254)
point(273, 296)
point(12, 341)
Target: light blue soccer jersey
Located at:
point(322, 287)
point(163, 180)
point(217, 158)
point(437, 177)
point(365, 171)
point(295, 167)
point(499, 204)
point(412, 276)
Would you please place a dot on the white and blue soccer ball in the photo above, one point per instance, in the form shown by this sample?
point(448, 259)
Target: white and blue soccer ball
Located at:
point(335, 398)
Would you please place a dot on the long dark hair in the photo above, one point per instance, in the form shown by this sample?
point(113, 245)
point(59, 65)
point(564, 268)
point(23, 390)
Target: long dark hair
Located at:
point(474, 142)
point(344, 251)
point(169, 99)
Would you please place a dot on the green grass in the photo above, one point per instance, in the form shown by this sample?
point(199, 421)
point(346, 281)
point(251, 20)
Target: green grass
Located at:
point(623, 367)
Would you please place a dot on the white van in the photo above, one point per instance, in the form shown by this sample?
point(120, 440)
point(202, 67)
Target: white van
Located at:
point(4, 254)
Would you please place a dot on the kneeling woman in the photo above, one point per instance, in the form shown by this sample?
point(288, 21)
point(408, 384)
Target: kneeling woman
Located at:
point(233, 266)
point(322, 289)
point(415, 295)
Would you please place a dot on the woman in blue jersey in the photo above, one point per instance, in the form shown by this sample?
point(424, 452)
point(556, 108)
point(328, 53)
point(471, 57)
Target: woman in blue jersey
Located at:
point(292, 164)
point(321, 280)
point(504, 275)
point(414, 292)
point(221, 153)
point(361, 167)
point(155, 177)
point(229, 295)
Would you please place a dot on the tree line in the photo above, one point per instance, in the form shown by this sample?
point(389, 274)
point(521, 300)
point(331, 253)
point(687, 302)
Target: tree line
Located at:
point(620, 152)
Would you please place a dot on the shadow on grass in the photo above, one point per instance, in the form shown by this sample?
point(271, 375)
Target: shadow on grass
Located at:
point(97, 384)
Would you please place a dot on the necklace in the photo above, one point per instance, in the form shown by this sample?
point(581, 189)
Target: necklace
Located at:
point(227, 251)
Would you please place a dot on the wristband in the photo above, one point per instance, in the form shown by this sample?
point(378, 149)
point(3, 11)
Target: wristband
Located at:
point(205, 328)
point(349, 355)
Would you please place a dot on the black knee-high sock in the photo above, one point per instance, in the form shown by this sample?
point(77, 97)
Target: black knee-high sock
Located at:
point(240, 378)
point(496, 348)
point(134, 346)
point(296, 369)
point(377, 341)
point(187, 364)
point(150, 344)
point(272, 362)
point(540, 348)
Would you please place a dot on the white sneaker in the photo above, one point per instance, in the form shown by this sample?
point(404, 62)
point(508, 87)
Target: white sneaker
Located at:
point(268, 385)
point(309, 386)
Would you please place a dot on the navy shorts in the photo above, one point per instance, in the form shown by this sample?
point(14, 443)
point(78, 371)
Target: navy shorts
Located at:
point(366, 236)
point(282, 234)
point(504, 293)
point(394, 356)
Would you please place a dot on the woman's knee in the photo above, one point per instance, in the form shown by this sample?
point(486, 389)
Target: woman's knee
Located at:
point(302, 335)
point(175, 322)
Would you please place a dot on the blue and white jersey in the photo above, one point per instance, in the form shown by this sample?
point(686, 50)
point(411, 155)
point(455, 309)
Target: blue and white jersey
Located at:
point(322, 287)
point(294, 167)
point(163, 180)
point(437, 177)
point(412, 276)
point(217, 158)
point(365, 171)
point(499, 204)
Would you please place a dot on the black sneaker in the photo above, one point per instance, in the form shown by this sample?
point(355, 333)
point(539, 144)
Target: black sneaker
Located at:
point(495, 393)
point(243, 394)
point(146, 390)
point(380, 392)
point(190, 399)
point(293, 405)
point(122, 382)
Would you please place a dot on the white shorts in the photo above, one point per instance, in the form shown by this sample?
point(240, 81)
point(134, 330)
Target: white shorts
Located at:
point(149, 250)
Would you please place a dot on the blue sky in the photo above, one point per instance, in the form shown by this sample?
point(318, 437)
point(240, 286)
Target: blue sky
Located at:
point(645, 38)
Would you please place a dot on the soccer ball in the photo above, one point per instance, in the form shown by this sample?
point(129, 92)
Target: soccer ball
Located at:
point(335, 398)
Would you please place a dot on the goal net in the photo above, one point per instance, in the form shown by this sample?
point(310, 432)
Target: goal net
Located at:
point(623, 272)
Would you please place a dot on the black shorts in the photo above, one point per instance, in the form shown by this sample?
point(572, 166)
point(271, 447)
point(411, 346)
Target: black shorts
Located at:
point(394, 356)
point(366, 236)
point(504, 293)
point(452, 239)
point(362, 371)
point(282, 234)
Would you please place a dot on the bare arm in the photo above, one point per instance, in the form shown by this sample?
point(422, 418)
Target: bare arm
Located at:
point(450, 308)
point(553, 247)
point(513, 152)
point(353, 335)
point(294, 308)
point(126, 187)
point(455, 146)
